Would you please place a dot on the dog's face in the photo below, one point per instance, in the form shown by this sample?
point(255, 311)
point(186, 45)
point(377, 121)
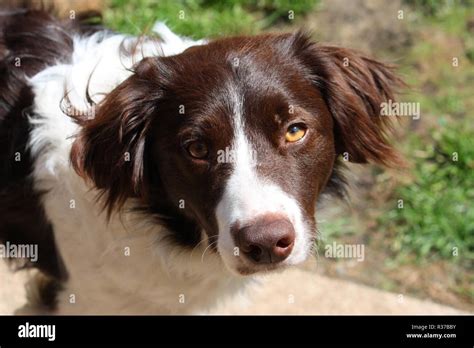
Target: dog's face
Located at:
point(246, 145)
point(236, 139)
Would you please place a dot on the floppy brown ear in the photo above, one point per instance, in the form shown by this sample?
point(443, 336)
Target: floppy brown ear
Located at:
point(354, 88)
point(110, 148)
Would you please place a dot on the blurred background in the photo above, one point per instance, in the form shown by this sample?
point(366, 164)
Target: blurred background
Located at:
point(417, 224)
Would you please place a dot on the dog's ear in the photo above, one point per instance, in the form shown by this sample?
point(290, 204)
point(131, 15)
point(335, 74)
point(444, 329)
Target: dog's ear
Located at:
point(110, 147)
point(354, 88)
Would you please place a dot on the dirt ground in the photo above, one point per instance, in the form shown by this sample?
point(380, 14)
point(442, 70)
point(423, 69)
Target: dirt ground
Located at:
point(295, 291)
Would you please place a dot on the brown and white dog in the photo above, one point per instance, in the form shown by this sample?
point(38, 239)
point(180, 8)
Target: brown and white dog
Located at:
point(157, 177)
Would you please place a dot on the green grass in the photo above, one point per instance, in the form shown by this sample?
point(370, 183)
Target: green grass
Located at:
point(437, 218)
point(203, 18)
point(434, 8)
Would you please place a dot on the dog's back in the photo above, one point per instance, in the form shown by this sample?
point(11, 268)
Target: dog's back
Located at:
point(30, 40)
point(24, 35)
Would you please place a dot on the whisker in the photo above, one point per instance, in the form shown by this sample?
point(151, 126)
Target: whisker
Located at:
point(202, 257)
point(198, 244)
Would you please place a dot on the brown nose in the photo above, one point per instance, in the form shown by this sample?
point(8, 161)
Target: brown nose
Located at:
point(268, 240)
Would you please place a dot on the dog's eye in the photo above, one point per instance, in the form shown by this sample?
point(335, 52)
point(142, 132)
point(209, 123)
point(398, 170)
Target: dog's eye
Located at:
point(197, 149)
point(295, 132)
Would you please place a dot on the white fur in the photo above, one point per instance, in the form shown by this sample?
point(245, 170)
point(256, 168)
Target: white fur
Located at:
point(155, 277)
point(177, 43)
point(248, 196)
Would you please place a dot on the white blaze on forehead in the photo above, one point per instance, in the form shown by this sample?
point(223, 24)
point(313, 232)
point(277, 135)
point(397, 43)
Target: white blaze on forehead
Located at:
point(248, 196)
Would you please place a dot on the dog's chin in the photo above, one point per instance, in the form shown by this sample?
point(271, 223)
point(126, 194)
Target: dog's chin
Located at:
point(242, 269)
point(250, 271)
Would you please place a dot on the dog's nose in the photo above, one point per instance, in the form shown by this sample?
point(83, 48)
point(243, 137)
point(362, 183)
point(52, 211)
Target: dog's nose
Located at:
point(268, 240)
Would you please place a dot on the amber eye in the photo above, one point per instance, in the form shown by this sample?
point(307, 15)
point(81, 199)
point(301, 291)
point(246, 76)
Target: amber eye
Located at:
point(295, 132)
point(197, 149)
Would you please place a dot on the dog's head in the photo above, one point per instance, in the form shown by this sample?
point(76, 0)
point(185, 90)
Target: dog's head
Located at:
point(237, 139)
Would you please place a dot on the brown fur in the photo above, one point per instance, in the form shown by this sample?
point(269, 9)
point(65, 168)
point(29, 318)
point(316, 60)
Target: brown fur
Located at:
point(140, 117)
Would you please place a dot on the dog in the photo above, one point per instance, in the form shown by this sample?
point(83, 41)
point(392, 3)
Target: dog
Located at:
point(163, 175)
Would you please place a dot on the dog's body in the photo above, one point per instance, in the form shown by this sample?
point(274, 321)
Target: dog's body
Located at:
point(146, 255)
